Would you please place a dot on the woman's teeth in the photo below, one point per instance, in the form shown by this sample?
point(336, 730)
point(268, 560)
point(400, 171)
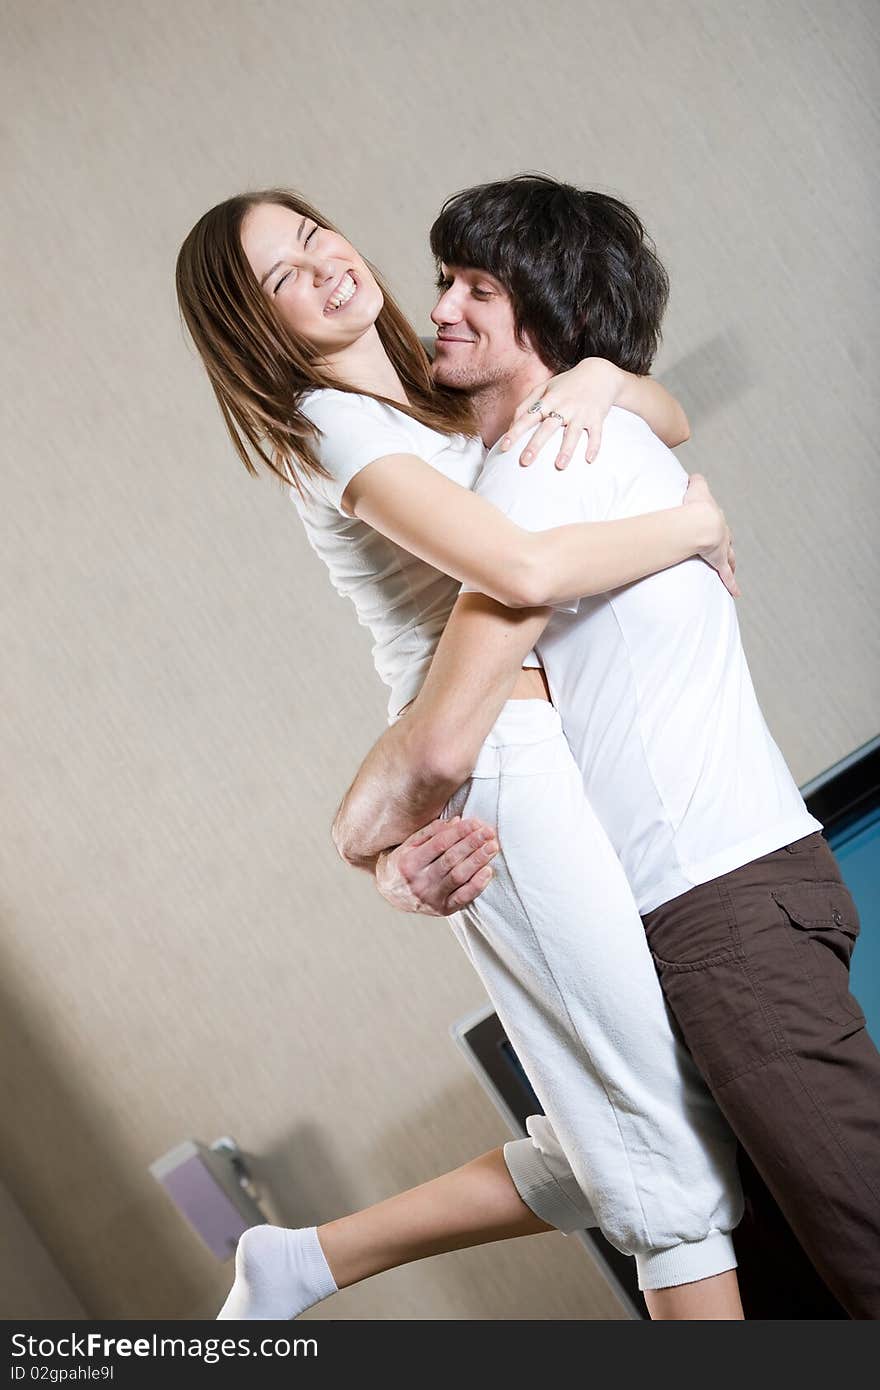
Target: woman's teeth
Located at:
point(344, 293)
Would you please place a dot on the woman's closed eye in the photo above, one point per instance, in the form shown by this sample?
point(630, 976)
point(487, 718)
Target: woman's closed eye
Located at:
point(280, 282)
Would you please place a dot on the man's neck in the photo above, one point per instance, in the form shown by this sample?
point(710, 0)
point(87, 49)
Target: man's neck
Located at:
point(496, 402)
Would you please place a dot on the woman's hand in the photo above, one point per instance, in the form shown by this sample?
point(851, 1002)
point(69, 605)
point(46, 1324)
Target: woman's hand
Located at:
point(717, 544)
point(573, 401)
point(438, 869)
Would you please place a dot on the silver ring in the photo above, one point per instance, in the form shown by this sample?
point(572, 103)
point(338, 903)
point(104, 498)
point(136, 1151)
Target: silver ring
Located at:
point(554, 415)
point(533, 409)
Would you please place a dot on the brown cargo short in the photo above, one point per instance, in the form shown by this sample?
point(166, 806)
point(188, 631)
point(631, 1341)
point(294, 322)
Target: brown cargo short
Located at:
point(755, 969)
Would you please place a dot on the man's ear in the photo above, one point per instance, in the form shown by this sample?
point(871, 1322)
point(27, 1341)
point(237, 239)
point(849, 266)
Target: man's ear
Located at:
point(430, 346)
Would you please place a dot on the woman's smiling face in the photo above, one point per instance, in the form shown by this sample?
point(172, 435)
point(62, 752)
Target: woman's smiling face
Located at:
point(316, 281)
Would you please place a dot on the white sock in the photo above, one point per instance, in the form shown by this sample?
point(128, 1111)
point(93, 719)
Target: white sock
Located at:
point(278, 1274)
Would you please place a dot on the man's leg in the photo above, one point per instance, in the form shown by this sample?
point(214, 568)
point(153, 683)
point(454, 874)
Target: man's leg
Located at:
point(559, 945)
point(776, 1279)
point(755, 967)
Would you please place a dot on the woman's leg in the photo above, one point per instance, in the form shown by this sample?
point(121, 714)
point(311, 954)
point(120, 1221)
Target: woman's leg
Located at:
point(470, 1205)
point(641, 1135)
point(632, 1132)
point(715, 1299)
point(279, 1273)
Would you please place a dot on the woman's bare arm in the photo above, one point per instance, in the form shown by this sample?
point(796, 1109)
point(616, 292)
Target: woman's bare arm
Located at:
point(463, 535)
point(583, 398)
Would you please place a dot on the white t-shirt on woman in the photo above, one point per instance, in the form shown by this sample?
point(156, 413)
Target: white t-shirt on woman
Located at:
point(404, 601)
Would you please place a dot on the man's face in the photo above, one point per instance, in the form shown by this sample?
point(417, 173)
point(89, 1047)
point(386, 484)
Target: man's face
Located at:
point(477, 344)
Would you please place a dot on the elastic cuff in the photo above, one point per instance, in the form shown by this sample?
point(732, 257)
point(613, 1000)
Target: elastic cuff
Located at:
point(319, 1274)
point(541, 1192)
point(685, 1263)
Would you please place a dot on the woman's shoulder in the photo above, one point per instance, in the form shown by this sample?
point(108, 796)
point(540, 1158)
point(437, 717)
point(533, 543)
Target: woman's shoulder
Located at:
point(329, 409)
point(353, 430)
point(357, 429)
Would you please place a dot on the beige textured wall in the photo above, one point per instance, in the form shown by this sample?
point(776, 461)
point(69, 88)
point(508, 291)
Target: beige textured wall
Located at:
point(183, 697)
point(30, 1284)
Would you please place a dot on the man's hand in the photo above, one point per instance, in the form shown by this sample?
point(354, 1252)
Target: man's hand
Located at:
point(439, 869)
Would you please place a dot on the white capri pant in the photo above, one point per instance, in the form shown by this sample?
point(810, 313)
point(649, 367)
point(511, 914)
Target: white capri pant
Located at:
point(631, 1140)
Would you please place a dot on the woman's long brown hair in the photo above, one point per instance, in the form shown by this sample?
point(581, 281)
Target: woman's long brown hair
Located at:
point(260, 370)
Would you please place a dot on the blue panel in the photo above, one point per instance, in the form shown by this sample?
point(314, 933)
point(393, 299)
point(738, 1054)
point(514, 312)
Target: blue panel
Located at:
point(857, 848)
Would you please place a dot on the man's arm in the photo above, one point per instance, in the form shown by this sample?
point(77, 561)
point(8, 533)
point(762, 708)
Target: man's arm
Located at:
point(409, 775)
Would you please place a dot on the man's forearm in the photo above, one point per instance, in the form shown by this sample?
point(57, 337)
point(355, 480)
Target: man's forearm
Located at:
point(409, 775)
point(397, 790)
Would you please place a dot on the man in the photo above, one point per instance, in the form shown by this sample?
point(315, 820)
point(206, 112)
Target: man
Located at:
point(749, 922)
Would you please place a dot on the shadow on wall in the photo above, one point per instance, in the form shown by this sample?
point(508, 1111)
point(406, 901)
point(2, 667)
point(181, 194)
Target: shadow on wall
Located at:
point(31, 1286)
point(711, 377)
point(108, 1227)
point(106, 1242)
point(297, 1181)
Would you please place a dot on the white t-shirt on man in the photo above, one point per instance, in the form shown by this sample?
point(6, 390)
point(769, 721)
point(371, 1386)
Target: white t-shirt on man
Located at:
point(651, 680)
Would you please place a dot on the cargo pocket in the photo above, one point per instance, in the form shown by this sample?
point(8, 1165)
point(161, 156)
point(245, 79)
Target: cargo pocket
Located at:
point(825, 923)
point(698, 956)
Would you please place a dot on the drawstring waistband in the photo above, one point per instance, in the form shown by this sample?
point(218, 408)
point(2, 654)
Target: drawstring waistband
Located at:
point(523, 724)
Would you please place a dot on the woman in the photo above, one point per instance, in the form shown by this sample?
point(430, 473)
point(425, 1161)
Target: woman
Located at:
point(317, 372)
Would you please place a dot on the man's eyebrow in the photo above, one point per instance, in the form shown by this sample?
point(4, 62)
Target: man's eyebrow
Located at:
point(471, 270)
point(278, 263)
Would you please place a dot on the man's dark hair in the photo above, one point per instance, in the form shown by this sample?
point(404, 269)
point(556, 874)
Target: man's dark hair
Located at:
point(582, 274)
